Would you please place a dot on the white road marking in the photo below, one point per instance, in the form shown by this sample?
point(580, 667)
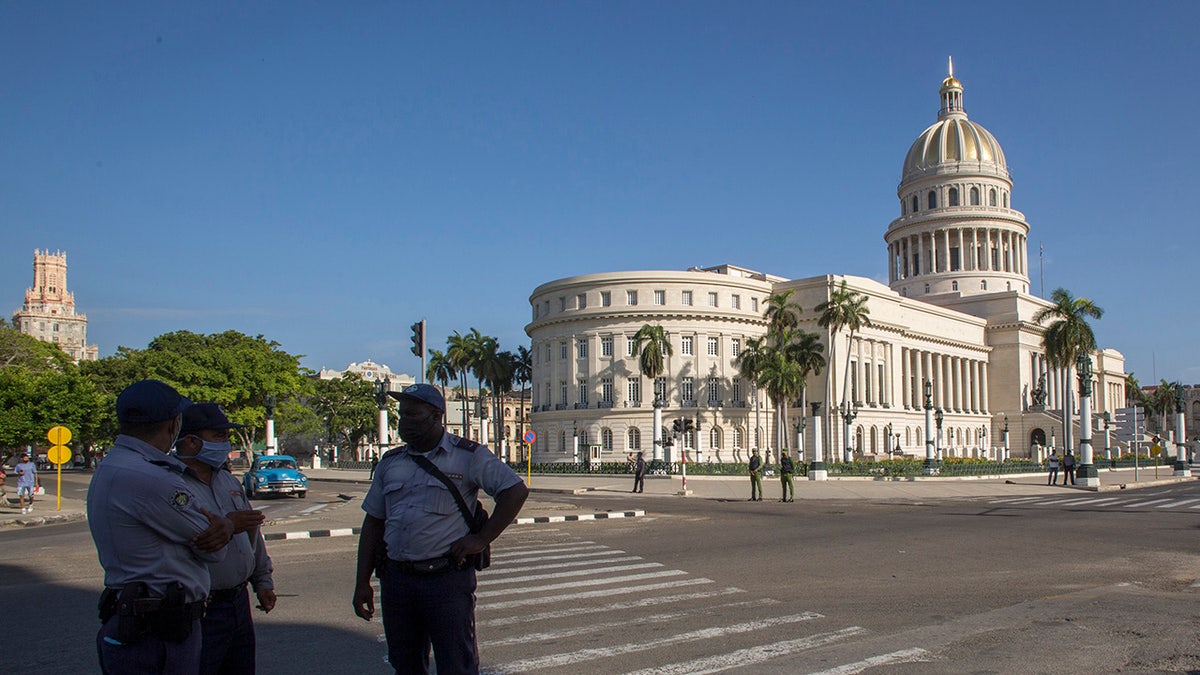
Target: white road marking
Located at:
point(1100, 501)
point(590, 654)
point(911, 655)
point(551, 548)
point(570, 573)
point(577, 584)
point(566, 556)
point(603, 593)
point(1015, 500)
point(614, 607)
point(1152, 501)
point(1178, 503)
point(310, 509)
point(574, 563)
point(1070, 500)
point(750, 655)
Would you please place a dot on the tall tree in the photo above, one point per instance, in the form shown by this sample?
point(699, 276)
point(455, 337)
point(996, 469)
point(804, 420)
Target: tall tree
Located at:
point(460, 349)
point(805, 349)
point(750, 363)
point(441, 370)
point(652, 350)
point(845, 308)
point(1162, 401)
point(1066, 337)
point(780, 314)
point(522, 368)
point(347, 404)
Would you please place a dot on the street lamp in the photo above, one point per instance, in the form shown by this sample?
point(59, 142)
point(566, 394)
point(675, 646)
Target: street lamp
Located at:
point(269, 404)
point(938, 416)
point(575, 441)
point(1006, 457)
point(1086, 472)
point(800, 426)
point(899, 450)
point(848, 415)
point(1182, 466)
point(1108, 418)
point(817, 470)
point(983, 439)
point(930, 463)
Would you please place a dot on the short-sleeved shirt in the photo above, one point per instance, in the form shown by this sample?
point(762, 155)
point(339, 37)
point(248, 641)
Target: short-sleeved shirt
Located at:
point(143, 517)
point(421, 517)
point(1053, 461)
point(246, 556)
point(26, 474)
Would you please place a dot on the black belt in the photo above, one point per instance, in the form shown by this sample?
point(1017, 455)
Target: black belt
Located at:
point(430, 566)
point(226, 594)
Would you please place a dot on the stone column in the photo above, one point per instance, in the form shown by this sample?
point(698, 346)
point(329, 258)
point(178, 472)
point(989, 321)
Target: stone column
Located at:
point(817, 470)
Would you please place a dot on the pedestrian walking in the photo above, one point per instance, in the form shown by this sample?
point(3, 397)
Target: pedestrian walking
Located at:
point(27, 481)
point(228, 644)
point(421, 546)
point(374, 465)
point(1068, 464)
point(755, 477)
point(786, 469)
point(1052, 463)
point(154, 540)
point(639, 474)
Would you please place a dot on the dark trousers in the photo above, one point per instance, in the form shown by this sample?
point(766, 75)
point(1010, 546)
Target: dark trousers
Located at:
point(1053, 476)
point(1069, 475)
point(423, 610)
point(228, 640)
point(149, 655)
point(639, 483)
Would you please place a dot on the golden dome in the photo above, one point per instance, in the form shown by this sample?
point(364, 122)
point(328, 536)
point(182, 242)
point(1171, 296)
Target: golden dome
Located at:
point(951, 82)
point(953, 141)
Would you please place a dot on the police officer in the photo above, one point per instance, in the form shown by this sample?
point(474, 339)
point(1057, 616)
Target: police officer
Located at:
point(228, 644)
point(153, 538)
point(755, 477)
point(427, 579)
point(786, 469)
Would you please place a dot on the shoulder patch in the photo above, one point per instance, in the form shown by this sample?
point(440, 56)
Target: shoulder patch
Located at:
point(181, 500)
point(393, 452)
point(469, 446)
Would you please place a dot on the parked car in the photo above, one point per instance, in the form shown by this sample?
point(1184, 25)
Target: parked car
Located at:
point(275, 475)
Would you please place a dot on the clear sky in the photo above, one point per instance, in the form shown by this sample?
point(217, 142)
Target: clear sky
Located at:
point(325, 174)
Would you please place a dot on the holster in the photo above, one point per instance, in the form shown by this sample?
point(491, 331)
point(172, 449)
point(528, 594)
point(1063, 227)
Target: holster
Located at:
point(174, 621)
point(482, 560)
point(133, 606)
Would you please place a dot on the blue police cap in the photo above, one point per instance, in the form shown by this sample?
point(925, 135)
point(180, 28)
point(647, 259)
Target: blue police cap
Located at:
point(149, 401)
point(426, 393)
point(200, 416)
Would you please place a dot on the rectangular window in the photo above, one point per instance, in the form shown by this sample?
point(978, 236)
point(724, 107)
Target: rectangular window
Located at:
point(630, 346)
point(735, 390)
point(660, 297)
point(631, 297)
point(687, 297)
point(735, 347)
point(583, 393)
point(606, 390)
point(882, 400)
point(547, 352)
point(535, 311)
point(853, 381)
point(712, 346)
point(736, 301)
point(687, 391)
point(581, 348)
point(562, 350)
point(867, 383)
point(581, 301)
point(954, 261)
point(754, 304)
point(546, 308)
point(605, 299)
point(712, 299)
point(562, 304)
point(714, 390)
point(635, 390)
point(685, 345)
point(606, 345)
point(562, 394)
point(660, 388)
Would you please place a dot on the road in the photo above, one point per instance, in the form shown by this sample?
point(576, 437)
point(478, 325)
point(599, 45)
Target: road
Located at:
point(1077, 583)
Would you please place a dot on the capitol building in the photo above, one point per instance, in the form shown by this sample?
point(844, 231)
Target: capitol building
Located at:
point(957, 312)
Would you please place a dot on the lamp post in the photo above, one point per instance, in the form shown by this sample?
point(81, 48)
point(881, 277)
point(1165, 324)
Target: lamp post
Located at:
point(658, 439)
point(1006, 457)
point(1182, 466)
point(848, 415)
point(1108, 418)
point(381, 399)
point(938, 416)
point(983, 440)
point(817, 470)
point(899, 450)
point(269, 403)
point(930, 463)
point(1086, 473)
point(800, 425)
point(699, 439)
point(575, 442)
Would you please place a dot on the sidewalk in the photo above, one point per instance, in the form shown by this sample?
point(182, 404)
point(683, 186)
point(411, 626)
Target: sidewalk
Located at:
point(551, 493)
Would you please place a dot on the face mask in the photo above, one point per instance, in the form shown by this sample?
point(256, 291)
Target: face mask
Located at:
point(175, 437)
point(214, 454)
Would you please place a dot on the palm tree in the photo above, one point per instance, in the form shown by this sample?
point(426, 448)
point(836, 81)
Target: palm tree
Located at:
point(522, 368)
point(440, 369)
point(653, 347)
point(845, 308)
point(495, 368)
point(1162, 401)
point(1068, 335)
point(779, 314)
point(460, 351)
point(805, 349)
point(782, 379)
point(750, 363)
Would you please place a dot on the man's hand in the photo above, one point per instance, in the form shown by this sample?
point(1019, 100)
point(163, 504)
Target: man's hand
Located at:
point(266, 599)
point(468, 545)
point(218, 533)
point(245, 521)
point(364, 601)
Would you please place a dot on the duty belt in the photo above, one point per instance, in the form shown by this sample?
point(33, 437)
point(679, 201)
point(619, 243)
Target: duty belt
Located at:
point(430, 566)
point(226, 594)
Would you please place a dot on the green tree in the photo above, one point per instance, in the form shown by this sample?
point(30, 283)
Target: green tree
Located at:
point(460, 349)
point(845, 308)
point(522, 368)
point(780, 314)
point(1162, 402)
point(750, 362)
point(440, 369)
point(1066, 337)
point(495, 368)
point(652, 350)
point(347, 406)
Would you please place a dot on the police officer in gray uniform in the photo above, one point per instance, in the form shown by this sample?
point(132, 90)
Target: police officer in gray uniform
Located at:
point(228, 629)
point(153, 539)
point(429, 553)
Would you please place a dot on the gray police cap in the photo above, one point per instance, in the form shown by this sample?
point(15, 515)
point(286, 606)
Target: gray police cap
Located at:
point(426, 393)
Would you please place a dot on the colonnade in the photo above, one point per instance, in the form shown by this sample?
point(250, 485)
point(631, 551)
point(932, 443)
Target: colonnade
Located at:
point(959, 384)
point(995, 250)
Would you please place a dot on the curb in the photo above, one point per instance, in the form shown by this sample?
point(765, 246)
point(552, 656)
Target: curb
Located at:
point(311, 534)
point(351, 531)
point(52, 519)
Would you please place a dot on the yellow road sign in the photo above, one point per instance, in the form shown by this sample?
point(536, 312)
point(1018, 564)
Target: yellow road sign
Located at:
point(59, 435)
point(1156, 450)
point(59, 454)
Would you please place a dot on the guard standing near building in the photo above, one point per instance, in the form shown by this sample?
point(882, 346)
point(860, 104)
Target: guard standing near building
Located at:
point(786, 469)
point(1052, 465)
point(416, 538)
point(755, 477)
point(639, 473)
point(228, 643)
point(154, 540)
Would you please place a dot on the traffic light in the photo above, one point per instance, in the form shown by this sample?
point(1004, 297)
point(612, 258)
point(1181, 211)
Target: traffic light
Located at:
point(418, 338)
point(677, 426)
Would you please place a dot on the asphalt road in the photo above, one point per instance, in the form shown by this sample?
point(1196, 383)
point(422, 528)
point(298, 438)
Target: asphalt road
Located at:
point(1092, 583)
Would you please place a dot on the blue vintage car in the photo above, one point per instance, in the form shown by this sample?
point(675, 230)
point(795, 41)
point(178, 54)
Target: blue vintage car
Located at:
point(275, 475)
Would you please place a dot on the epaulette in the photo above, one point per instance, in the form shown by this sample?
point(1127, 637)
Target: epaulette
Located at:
point(394, 451)
point(459, 442)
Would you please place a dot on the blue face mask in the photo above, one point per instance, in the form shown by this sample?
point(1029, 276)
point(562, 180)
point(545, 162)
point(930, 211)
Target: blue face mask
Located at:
point(214, 454)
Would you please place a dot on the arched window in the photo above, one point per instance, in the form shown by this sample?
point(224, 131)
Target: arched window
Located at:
point(874, 440)
point(635, 439)
point(508, 412)
point(992, 197)
point(974, 196)
point(926, 288)
point(737, 438)
point(714, 438)
point(916, 204)
point(953, 196)
point(1006, 200)
point(932, 199)
point(954, 285)
point(606, 440)
point(983, 285)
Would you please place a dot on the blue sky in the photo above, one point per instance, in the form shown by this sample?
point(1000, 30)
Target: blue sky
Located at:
point(327, 176)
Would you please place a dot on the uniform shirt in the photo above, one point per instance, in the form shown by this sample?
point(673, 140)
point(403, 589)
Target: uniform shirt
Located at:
point(26, 474)
point(246, 556)
point(143, 517)
point(1053, 459)
point(422, 518)
point(755, 462)
point(785, 465)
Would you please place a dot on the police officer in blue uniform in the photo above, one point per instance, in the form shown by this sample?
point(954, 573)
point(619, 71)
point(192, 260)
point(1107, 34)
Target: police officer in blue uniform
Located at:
point(416, 537)
point(228, 643)
point(153, 539)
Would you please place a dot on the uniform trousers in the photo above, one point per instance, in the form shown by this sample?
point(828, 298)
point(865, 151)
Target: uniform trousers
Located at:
point(228, 640)
point(149, 655)
point(755, 485)
point(420, 610)
point(788, 486)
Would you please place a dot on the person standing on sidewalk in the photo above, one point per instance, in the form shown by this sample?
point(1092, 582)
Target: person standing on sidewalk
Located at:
point(1068, 463)
point(786, 469)
point(228, 644)
point(1052, 463)
point(639, 474)
point(27, 481)
point(755, 477)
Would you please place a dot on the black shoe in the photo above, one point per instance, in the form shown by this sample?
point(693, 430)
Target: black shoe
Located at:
point(792, 499)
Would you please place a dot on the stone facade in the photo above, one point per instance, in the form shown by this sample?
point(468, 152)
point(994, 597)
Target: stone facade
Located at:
point(49, 310)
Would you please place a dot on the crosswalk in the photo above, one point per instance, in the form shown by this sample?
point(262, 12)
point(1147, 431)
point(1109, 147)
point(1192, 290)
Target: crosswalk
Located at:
point(559, 603)
point(1177, 500)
